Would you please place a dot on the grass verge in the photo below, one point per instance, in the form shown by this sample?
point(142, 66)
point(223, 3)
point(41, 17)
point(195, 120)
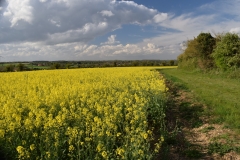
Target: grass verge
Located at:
point(220, 94)
point(194, 109)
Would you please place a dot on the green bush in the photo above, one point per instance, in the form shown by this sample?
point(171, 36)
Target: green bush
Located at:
point(227, 52)
point(198, 53)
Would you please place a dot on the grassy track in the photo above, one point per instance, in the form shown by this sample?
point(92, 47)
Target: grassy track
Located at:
point(221, 95)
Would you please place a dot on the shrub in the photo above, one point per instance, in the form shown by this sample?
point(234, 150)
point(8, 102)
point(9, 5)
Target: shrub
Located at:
point(198, 53)
point(227, 52)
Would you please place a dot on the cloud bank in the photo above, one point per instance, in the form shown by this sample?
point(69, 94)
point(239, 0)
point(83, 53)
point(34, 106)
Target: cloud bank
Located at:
point(65, 29)
point(61, 21)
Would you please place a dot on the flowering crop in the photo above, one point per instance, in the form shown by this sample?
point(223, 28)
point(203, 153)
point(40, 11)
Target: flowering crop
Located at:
point(81, 114)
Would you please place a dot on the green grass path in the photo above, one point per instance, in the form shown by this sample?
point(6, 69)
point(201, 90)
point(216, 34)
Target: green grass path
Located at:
point(221, 95)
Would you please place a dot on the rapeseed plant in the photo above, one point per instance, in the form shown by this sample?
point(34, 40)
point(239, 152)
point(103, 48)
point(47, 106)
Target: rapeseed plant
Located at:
point(81, 114)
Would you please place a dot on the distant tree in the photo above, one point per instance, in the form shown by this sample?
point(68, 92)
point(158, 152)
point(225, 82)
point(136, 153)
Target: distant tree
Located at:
point(114, 63)
point(1, 68)
point(56, 66)
point(106, 64)
point(150, 63)
point(144, 63)
point(171, 63)
point(135, 63)
point(20, 67)
point(227, 52)
point(164, 63)
point(68, 66)
point(9, 68)
point(156, 63)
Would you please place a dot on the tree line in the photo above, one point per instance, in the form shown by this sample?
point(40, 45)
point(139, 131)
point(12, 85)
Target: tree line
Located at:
point(206, 52)
point(39, 65)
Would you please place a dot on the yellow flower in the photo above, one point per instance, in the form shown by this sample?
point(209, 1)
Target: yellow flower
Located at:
point(80, 106)
point(118, 134)
point(71, 148)
point(32, 147)
point(35, 134)
point(48, 154)
point(162, 138)
point(145, 135)
point(140, 152)
point(2, 133)
point(108, 133)
point(100, 147)
point(23, 142)
point(120, 151)
point(20, 149)
point(157, 147)
point(104, 154)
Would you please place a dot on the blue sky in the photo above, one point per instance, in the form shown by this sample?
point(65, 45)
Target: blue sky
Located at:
point(108, 29)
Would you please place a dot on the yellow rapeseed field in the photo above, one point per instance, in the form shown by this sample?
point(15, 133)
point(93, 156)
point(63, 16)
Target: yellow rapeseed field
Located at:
point(81, 113)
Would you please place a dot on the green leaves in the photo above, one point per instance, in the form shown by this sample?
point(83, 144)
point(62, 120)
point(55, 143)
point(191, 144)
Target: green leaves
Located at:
point(206, 52)
point(227, 53)
point(198, 51)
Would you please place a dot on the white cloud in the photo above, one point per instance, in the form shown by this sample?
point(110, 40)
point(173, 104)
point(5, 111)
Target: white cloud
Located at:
point(55, 22)
point(223, 7)
point(235, 30)
point(106, 13)
point(118, 51)
point(111, 40)
point(151, 48)
point(63, 29)
point(78, 51)
point(188, 22)
point(52, 20)
point(183, 45)
point(86, 33)
point(18, 10)
point(189, 25)
point(160, 17)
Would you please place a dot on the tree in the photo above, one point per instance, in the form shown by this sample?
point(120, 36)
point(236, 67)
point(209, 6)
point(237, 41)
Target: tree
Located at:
point(9, 68)
point(68, 66)
point(227, 52)
point(135, 63)
point(56, 66)
point(114, 63)
point(205, 46)
point(171, 63)
point(188, 59)
point(20, 67)
point(198, 52)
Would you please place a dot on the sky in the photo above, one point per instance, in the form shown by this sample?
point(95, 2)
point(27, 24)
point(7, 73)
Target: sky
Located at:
point(32, 30)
